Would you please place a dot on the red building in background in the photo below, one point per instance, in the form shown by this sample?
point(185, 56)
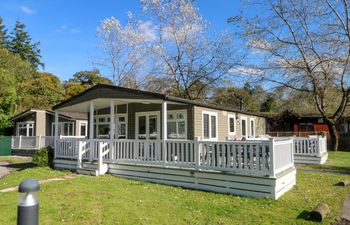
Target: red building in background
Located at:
point(288, 123)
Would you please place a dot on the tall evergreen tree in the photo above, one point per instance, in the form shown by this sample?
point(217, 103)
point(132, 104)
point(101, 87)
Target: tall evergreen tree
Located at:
point(21, 44)
point(4, 42)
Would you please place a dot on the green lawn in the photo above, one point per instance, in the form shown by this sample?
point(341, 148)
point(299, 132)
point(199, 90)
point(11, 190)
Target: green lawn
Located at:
point(15, 159)
point(111, 200)
point(337, 161)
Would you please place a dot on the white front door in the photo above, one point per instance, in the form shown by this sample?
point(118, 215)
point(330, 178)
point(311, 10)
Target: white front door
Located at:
point(147, 125)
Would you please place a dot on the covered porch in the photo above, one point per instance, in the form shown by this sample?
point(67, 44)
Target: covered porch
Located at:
point(136, 140)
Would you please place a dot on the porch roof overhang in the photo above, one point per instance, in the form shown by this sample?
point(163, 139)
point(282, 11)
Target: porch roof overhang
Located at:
point(61, 115)
point(102, 94)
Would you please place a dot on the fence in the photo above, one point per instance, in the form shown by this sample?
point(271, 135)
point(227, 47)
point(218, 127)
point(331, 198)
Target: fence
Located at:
point(33, 142)
point(259, 157)
point(5, 145)
point(311, 146)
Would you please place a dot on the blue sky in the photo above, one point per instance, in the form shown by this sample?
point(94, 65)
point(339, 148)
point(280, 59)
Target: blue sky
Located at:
point(67, 28)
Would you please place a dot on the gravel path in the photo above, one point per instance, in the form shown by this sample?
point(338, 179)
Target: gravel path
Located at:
point(15, 188)
point(4, 170)
point(346, 209)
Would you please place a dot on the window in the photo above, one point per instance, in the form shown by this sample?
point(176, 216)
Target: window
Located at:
point(153, 126)
point(25, 128)
point(252, 127)
point(177, 124)
point(231, 125)
point(64, 129)
point(101, 126)
point(244, 126)
point(147, 125)
point(83, 129)
point(209, 125)
point(121, 126)
point(306, 127)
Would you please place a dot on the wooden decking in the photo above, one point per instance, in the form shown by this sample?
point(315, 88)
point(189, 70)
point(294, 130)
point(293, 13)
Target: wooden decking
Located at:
point(310, 150)
point(262, 168)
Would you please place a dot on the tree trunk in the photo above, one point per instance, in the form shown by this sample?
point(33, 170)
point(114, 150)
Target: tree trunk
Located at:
point(344, 183)
point(320, 212)
point(334, 135)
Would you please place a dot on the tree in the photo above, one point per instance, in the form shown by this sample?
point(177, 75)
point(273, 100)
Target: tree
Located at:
point(83, 80)
point(269, 104)
point(20, 44)
point(14, 73)
point(8, 95)
point(43, 91)
point(4, 43)
point(121, 50)
point(238, 98)
point(305, 46)
point(184, 48)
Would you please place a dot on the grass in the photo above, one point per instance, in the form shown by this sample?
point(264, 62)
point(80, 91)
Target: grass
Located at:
point(20, 172)
point(15, 159)
point(337, 161)
point(111, 200)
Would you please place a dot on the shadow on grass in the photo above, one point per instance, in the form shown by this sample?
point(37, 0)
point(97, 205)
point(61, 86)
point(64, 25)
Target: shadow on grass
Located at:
point(327, 168)
point(340, 169)
point(20, 166)
point(304, 215)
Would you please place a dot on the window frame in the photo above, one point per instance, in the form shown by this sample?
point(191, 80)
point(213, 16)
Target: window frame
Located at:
point(86, 128)
point(62, 128)
point(246, 126)
point(26, 123)
point(97, 123)
point(147, 115)
point(234, 124)
point(210, 125)
point(252, 134)
point(117, 116)
point(176, 120)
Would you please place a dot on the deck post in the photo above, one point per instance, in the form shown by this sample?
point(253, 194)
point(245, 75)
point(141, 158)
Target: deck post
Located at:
point(196, 153)
point(112, 128)
point(272, 157)
point(20, 142)
point(56, 134)
point(91, 129)
point(164, 130)
point(318, 145)
point(39, 142)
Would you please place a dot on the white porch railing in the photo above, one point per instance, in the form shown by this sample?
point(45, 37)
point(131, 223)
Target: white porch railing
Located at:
point(310, 146)
point(33, 142)
point(263, 157)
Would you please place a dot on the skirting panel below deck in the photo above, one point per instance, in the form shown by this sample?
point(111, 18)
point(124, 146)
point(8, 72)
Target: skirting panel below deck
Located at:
point(304, 159)
point(65, 164)
point(244, 185)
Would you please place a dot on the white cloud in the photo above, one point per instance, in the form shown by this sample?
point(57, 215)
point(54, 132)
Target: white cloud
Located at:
point(27, 10)
point(245, 71)
point(66, 29)
point(148, 30)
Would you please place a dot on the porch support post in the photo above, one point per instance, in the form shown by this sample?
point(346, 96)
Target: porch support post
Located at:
point(56, 134)
point(112, 128)
point(91, 128)
point(164, 129)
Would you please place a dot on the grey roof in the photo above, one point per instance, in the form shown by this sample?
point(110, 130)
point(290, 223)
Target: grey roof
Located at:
point(97, 92)
point(73, 115)
point(68, 115)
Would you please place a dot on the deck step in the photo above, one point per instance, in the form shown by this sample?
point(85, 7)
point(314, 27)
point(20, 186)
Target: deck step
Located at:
point(90, 165)
point(87, 171)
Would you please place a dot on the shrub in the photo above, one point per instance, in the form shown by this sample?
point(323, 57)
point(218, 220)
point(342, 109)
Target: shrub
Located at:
point(44, 157)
